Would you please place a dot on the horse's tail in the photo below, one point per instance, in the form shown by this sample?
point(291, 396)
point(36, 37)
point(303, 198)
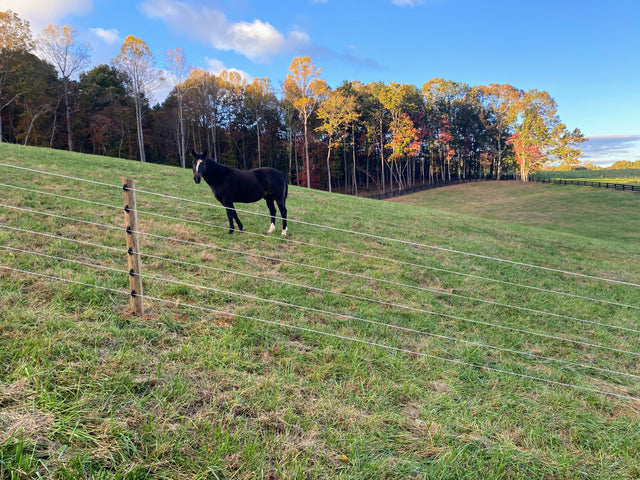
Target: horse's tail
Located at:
point(286, 187)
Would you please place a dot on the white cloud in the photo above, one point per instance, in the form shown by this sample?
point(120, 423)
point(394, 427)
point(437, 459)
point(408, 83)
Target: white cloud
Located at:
point(256, 40)
point(606, 149)
point(216, 66)
point(110, 37)
point(40, 13)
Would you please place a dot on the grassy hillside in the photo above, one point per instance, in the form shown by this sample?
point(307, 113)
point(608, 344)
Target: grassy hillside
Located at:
point(259, 357)
point(595, 213)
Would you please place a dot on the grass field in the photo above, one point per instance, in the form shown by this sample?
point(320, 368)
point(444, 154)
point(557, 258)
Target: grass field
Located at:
point(260, 357)
point(621, 175)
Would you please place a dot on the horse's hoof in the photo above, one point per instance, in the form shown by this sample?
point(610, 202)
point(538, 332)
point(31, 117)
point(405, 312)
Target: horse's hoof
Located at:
point(272, 228)
point(284, 232)
point(230, 232)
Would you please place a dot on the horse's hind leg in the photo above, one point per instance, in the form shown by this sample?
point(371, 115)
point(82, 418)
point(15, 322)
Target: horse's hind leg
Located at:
point(283, 213)
point(272, 211)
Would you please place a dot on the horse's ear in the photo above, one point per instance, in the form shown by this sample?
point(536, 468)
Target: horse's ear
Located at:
point(193, 153)
point(204, 154)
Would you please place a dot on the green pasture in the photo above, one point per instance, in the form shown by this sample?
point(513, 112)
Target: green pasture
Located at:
point(479, 331)
point(628, 176)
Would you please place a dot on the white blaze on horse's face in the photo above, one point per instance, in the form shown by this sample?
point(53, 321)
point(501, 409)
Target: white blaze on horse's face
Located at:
point(196, 174)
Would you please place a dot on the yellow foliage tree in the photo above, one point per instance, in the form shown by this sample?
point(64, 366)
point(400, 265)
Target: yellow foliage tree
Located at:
point(137, 62)
point(305, 90)
point(59, 46)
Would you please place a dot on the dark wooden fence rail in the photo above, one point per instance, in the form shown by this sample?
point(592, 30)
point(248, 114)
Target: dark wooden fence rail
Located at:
point(427, 186)
point(614, 186)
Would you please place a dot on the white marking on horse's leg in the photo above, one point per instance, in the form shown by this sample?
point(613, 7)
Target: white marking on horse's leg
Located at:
point(284, 232)
point(272, 228)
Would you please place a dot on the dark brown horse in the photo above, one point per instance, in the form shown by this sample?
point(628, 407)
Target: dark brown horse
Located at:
point(231, 185)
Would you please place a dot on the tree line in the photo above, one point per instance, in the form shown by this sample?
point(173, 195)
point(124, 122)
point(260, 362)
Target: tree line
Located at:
point(354, 138)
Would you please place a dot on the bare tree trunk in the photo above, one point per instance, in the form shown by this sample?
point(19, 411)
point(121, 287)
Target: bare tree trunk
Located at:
point(258, 134)
point(65, 85)
point(143, 157)
point(353, 149)
point(329, 165)
point(55, 121)
point(306, 155)
point(382, 157)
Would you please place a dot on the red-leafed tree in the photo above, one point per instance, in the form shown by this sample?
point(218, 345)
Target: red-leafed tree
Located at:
point(444, 142)
point(405, 144)
point(528, 155)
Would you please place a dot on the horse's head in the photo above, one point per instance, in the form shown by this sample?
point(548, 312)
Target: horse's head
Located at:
point(199, 165)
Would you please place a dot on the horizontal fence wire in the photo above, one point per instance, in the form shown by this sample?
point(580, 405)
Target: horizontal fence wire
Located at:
point(339, 315)
point(336, 336)
point(366, 299)
point(365, 277)
point(352, 232)
point(336, 271)
point(324, 247)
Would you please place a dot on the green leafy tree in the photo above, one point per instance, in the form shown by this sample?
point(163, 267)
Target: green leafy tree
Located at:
point(15, 40)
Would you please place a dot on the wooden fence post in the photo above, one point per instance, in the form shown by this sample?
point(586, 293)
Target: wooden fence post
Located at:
point(133, 244)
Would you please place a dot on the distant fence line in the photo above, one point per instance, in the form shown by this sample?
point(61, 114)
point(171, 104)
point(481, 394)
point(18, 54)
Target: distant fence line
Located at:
point(558, 181)
point(428, 186)
point(562, 181)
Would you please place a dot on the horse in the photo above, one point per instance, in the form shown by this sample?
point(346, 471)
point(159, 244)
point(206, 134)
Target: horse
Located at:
point(231, 185)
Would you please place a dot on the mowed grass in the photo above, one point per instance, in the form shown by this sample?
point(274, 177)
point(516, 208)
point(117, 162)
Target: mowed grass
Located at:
point(239, 369)
point(584, 211)
point(629, 176)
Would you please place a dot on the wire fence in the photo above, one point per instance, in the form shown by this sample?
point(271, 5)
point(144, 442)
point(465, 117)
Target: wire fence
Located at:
point(424, 311)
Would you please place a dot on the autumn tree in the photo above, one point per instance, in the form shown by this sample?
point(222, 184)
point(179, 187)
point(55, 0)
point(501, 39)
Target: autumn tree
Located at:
point(337, 113)
point(15, 40)
point(59, 46)
point(401, 101)
point(503, 101)
point(137, 62)
point(305, 90)
point(565, 150)
point(178, 70)
point(15, 33)
point(259, 95)
point(537, 132)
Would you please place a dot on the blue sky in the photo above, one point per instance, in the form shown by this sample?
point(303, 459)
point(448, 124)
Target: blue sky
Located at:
point(586, 54)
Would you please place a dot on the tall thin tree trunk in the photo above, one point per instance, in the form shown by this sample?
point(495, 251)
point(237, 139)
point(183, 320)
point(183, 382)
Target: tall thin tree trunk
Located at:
point(353, 149)
point(55, 121)
point(65, 85)
point(258, 134)
point(306, 154)
point(143, 157)
point(329, 165)
point(382, 157)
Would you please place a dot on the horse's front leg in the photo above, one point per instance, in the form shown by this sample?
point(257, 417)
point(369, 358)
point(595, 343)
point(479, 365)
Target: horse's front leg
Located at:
point(231, 215)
